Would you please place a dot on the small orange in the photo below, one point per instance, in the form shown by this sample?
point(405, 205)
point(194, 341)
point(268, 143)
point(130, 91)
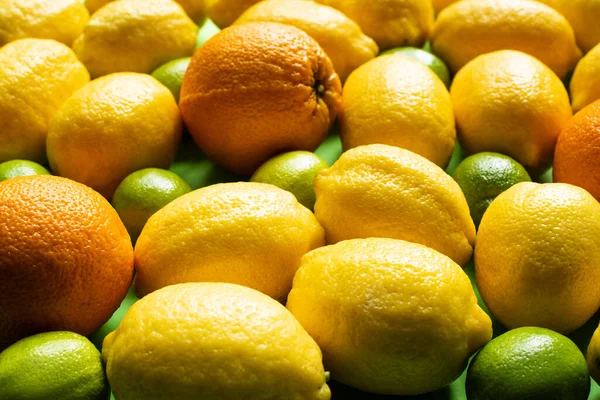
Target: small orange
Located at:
point(66, 260)
point(577, 153)
point(258, 89)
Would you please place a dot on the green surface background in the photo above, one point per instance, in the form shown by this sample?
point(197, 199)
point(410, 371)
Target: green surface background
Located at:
point(199, 171)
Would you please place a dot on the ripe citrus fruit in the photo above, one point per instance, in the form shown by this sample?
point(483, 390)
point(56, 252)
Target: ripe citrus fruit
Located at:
point(66, 259)
point(225, 12)
point(171, 75)
point(15, 168)
point(548, 238)
point(135, 36)
point(42, 74)
point(583, 17)
point(390, 23)
point(576, 156)
point(193, 8)
point(251, 234)
point(593, 356)
point(431, 60)
point(295, 172)
point(385, 191)
point(340, 37)
point(508, 102)
point(143, 193)
point(378, 338)
point(398, 101)
point(469, 28)
point(439, 5)
point(53, 365)
point(60, 20)
point(206, 31)
point(232, 342)
point(483, 176)
point(113, 126)
point(281, 94)
point(585, 82)
point(528, 363)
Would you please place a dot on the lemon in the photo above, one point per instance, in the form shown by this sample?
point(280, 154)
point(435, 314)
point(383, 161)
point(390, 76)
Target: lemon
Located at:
point(427, 58)
point(53, 365)
point(171, 75)
point(547, 237)
point(60, 20)
point(593, 356)
point(469, 28)
point(340, 37)
point(585, 83)
point(252, 234)
point(206, 31)
point(36, 77)
point(529, 363)
point(135, 36)
point(483, 176)
point(15, 168)
point(385, 191)
point(214, 341)
point(583, 17)
point(94, 5)
point(398, 101)
point(391, 317)
point(113, 126)
point(193, 8)
point(439, 5)
point(391, 23)
point(509, 102)
point(143, 193)
point(225, 12)
point(295, 172)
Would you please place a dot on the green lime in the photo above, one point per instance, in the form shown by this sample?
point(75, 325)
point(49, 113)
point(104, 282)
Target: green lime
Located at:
point(171, 75)
point(483, 176)
point(295, 172)
point(53, 365)
point(529, 364)
point(431, 60)
point(15, 168)
point(143, 193)
point(207, 30)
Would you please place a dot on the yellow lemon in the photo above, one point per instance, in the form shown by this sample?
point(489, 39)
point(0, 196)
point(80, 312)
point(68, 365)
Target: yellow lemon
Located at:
point(583, 17)
point(193, 8)
point(36, 77)
point(391, 23)
point(60, 20)
point(509, 102)
point(398, 101)
point(384, 191)
point(135, 36)
point(111, 127)
point(212, 341)
point(593, 356)
point(224, 12)
point(470, 28)
point(537, 259)
point(94, 5)
point(438, 5)
point(391, 317)
point(252, 234)
point(340, 37)
point(585, 83)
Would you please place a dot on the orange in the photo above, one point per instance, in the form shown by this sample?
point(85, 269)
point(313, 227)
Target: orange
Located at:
point(258, 89)
point(577, 153)
point(66, 260)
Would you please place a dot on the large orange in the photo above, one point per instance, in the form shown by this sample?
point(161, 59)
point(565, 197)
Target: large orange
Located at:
point(577, 153)
point(256, 90)
point(66, 260)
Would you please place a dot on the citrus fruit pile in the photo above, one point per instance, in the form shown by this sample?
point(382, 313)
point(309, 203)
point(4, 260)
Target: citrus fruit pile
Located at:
point(299, 200)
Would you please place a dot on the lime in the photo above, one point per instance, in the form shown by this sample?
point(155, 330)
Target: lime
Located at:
point(483, 176)
point(15, 168)
point(295, 172)
point(431, 60)
point(207, 30)
point(529, 364)
point(53, 365)
point(143, 193)
point(171, 75)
